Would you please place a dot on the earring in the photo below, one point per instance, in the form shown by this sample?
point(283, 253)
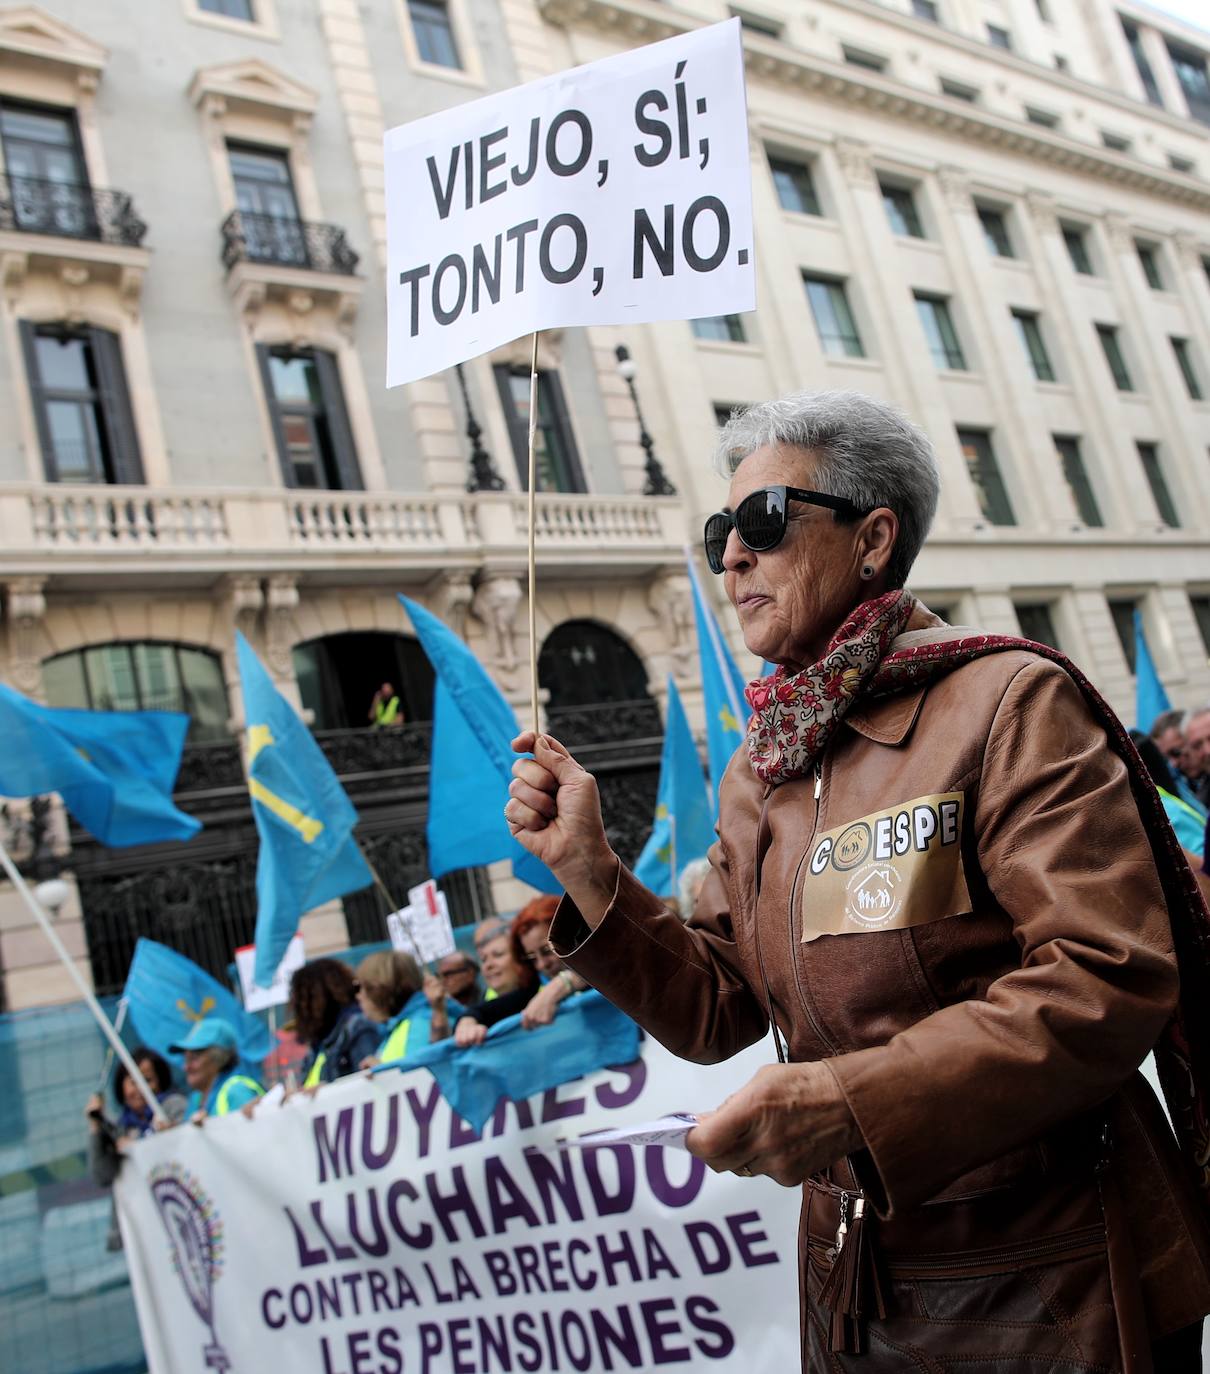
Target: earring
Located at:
point(867, 572)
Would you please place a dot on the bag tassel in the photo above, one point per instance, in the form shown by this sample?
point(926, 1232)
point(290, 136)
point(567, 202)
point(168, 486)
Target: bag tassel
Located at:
point(854, 1286)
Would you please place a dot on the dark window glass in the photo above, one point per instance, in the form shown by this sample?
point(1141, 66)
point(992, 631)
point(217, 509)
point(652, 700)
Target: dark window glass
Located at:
point(1072, 462)
point(144, 675)
point(870, 61)
point(1122, 613)
point(1190, 68)
point(901, 211)
point(81, 404)
point(999, 37)
point(1201, 613)
point(926, 9)
point(1037, 623)
point(721, 328)
point(1045, 119)
point(582, 664)
point(939, 331)
point(1184, 360)
point(306, 402)
point(981, 463)
point(1115, 142)
point(957, 91)
point(795, 188)
point(1181, 164)
point(434, 33)
point(557, 462)
point(833, 318)
point(1076, 242)
point(264, 193)
point(1146, 75)
point(339, 674)
point(233, 9)
point(723, 412)
point(1149, 456)
point(758, 23)
point(44, 162)
point(1110, 346)
point(1030, 333)
point(995, 232)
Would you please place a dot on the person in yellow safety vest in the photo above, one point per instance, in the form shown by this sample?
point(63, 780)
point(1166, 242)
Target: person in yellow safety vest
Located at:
point(218, 1085)
point(389, 994)
point(385, 707)
point(327, 1019)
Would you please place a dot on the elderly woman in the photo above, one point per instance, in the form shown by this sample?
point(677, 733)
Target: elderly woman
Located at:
point(940, 878)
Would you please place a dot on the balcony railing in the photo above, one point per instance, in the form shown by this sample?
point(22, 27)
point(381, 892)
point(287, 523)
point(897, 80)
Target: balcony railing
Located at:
point(283, 242)
point(66, 210)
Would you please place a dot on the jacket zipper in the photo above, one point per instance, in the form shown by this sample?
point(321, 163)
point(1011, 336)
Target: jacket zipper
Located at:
point(794, 942)
point(1085, 1238)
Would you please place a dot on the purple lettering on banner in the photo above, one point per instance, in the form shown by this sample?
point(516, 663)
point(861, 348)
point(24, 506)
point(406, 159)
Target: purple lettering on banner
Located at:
point(504, 1198)
point(551, 1176)
point(331, 1152)
point(378, 1243)
point(493, 1343)
point(379, 1295)
point(623, 1338)
point(745, 1245)
point(709, 1246)
point(525, 1116)
point(620, 1198)
point(388, 1349)
point(612, 1098)
point(555, 1110)
point(327, 1358)
point(422, 1114)
point(339, 1252)
point(552, 1347)
point(552, 1251)
point(529, 1268)
point(571, 1322)
point(264, 1309)
point(327, 1291)
point(419, 1240)
point(462, 1132)
point(370, 1157)
point(722, 1342)
point(306, 1256)
point(405, 1290)
point(439, 1293)
point(352, 1283)
point(501, 1273)
point(464, 1285)
point(658, 1329)
point(523, 1334)
point(460, 1200)
point(584, 1282)
point(302, 1307)
point(359, 1351)
point(431, 1342)
point(673, 1195)
point(656, 1256)
point(461, 1344)
point(611, 1259)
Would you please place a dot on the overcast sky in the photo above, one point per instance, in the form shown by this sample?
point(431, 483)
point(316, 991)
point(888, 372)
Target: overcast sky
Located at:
point(1192, 11)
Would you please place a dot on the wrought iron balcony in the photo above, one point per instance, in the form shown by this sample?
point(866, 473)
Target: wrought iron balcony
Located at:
point(282, 242)
point(34, 206)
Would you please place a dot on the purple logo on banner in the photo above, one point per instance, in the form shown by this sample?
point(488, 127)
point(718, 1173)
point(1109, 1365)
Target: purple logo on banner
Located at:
point(196, 1235)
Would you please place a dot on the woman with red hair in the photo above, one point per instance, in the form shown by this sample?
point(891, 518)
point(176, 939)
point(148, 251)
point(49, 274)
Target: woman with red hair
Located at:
point(530, 937)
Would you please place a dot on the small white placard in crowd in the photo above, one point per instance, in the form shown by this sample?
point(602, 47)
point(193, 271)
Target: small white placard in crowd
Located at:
point(278, 991)
point(430, 922)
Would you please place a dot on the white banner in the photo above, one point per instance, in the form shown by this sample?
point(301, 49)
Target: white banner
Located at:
point(614, 192)
point(369, 1231)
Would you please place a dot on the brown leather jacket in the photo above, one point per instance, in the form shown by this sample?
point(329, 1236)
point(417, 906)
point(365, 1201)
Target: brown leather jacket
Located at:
point(982, 955)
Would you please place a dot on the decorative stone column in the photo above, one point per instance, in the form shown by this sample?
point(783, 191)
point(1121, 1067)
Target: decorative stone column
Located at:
point(25, 609)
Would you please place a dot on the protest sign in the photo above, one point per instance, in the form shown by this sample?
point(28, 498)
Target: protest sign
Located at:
point(429, 922)
point(614, 193)
point(369, 1231)
point(257, 998)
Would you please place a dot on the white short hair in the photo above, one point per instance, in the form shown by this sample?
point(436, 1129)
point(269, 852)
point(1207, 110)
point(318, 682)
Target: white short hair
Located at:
point(693, 875)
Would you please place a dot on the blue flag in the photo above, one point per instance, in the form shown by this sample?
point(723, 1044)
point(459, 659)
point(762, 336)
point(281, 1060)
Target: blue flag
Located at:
point(472, 761)
point(308, 854)
point(166, 994)
point(114, 769)
point(683, 829)
point(723, 686)
point(1150, 699)
point(589, 1033)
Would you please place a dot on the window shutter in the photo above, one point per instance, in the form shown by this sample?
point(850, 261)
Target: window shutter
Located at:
point(562, 422)
point(344, 450)
point(37, 396)
point(279, 434)
point(116, 413)
point(518, 431)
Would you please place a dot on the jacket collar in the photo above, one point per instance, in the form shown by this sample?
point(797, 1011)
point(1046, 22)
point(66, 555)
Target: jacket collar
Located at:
point(889, 720)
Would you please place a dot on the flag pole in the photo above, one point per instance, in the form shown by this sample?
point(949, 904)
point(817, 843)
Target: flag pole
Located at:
point(118, 1022)
point(533, 512)
point(82, 987)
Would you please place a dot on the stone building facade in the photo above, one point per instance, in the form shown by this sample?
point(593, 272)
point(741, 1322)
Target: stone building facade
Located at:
point(995, 213)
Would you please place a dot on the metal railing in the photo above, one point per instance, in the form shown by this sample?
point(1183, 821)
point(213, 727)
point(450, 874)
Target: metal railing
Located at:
point(285, 242)
point(35, 206)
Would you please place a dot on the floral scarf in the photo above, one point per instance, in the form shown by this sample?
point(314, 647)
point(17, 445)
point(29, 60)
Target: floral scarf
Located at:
point(796, 715)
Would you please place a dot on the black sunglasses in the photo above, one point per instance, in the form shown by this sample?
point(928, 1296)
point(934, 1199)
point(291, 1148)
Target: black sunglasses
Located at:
point(760, 519)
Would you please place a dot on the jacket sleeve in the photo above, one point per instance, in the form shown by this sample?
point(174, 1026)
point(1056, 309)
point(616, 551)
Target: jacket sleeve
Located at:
point(681, 982)
point(1064, 852)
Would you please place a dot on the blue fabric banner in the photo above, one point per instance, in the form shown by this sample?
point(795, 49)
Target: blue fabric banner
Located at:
point(115, 770)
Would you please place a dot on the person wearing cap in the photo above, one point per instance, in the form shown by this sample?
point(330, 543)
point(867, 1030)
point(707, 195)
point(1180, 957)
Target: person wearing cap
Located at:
point(212, 1070)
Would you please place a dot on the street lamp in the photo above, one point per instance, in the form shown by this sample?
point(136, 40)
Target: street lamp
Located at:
point(657, 483)
point(483, 475)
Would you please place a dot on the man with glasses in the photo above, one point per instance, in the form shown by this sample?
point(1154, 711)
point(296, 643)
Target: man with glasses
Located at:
point(459, 975)
point(1168, 733)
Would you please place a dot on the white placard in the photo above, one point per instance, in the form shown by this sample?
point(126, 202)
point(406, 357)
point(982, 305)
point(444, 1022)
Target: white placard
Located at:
point(429, 922)
point(258, 998)
point(615, 192)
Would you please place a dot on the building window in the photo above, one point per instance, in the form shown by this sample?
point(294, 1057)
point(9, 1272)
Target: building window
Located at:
point(1121, 612)
point(719, 328)
point(976, 446)
point(1116, 143)
point(1200, 606)
point(310, 423)
point(901, 211)
point(1112, 348)
point(1149, 456)
point(1184, 360)
point(1036, 623)
point(757, 23)
point(1076, 241)
point(1045, 119)
point(1029, 331)
point(556, 459)
point(270, 224)
point(999, 37)
point(1149, 261)
point(81, 404)
point(1072, 462)
point(1146, 75)
point(230, 9)
point(926, 9)
point(957, 90)
point(833, 319)
point(47, 178)
point(434, 32)
point(338, 675)
point(794, 185)
point(857, 57)
point(1182, 164)
point(143, 675)
point(939, 331)
point(1190, 68)
point(995, 232)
